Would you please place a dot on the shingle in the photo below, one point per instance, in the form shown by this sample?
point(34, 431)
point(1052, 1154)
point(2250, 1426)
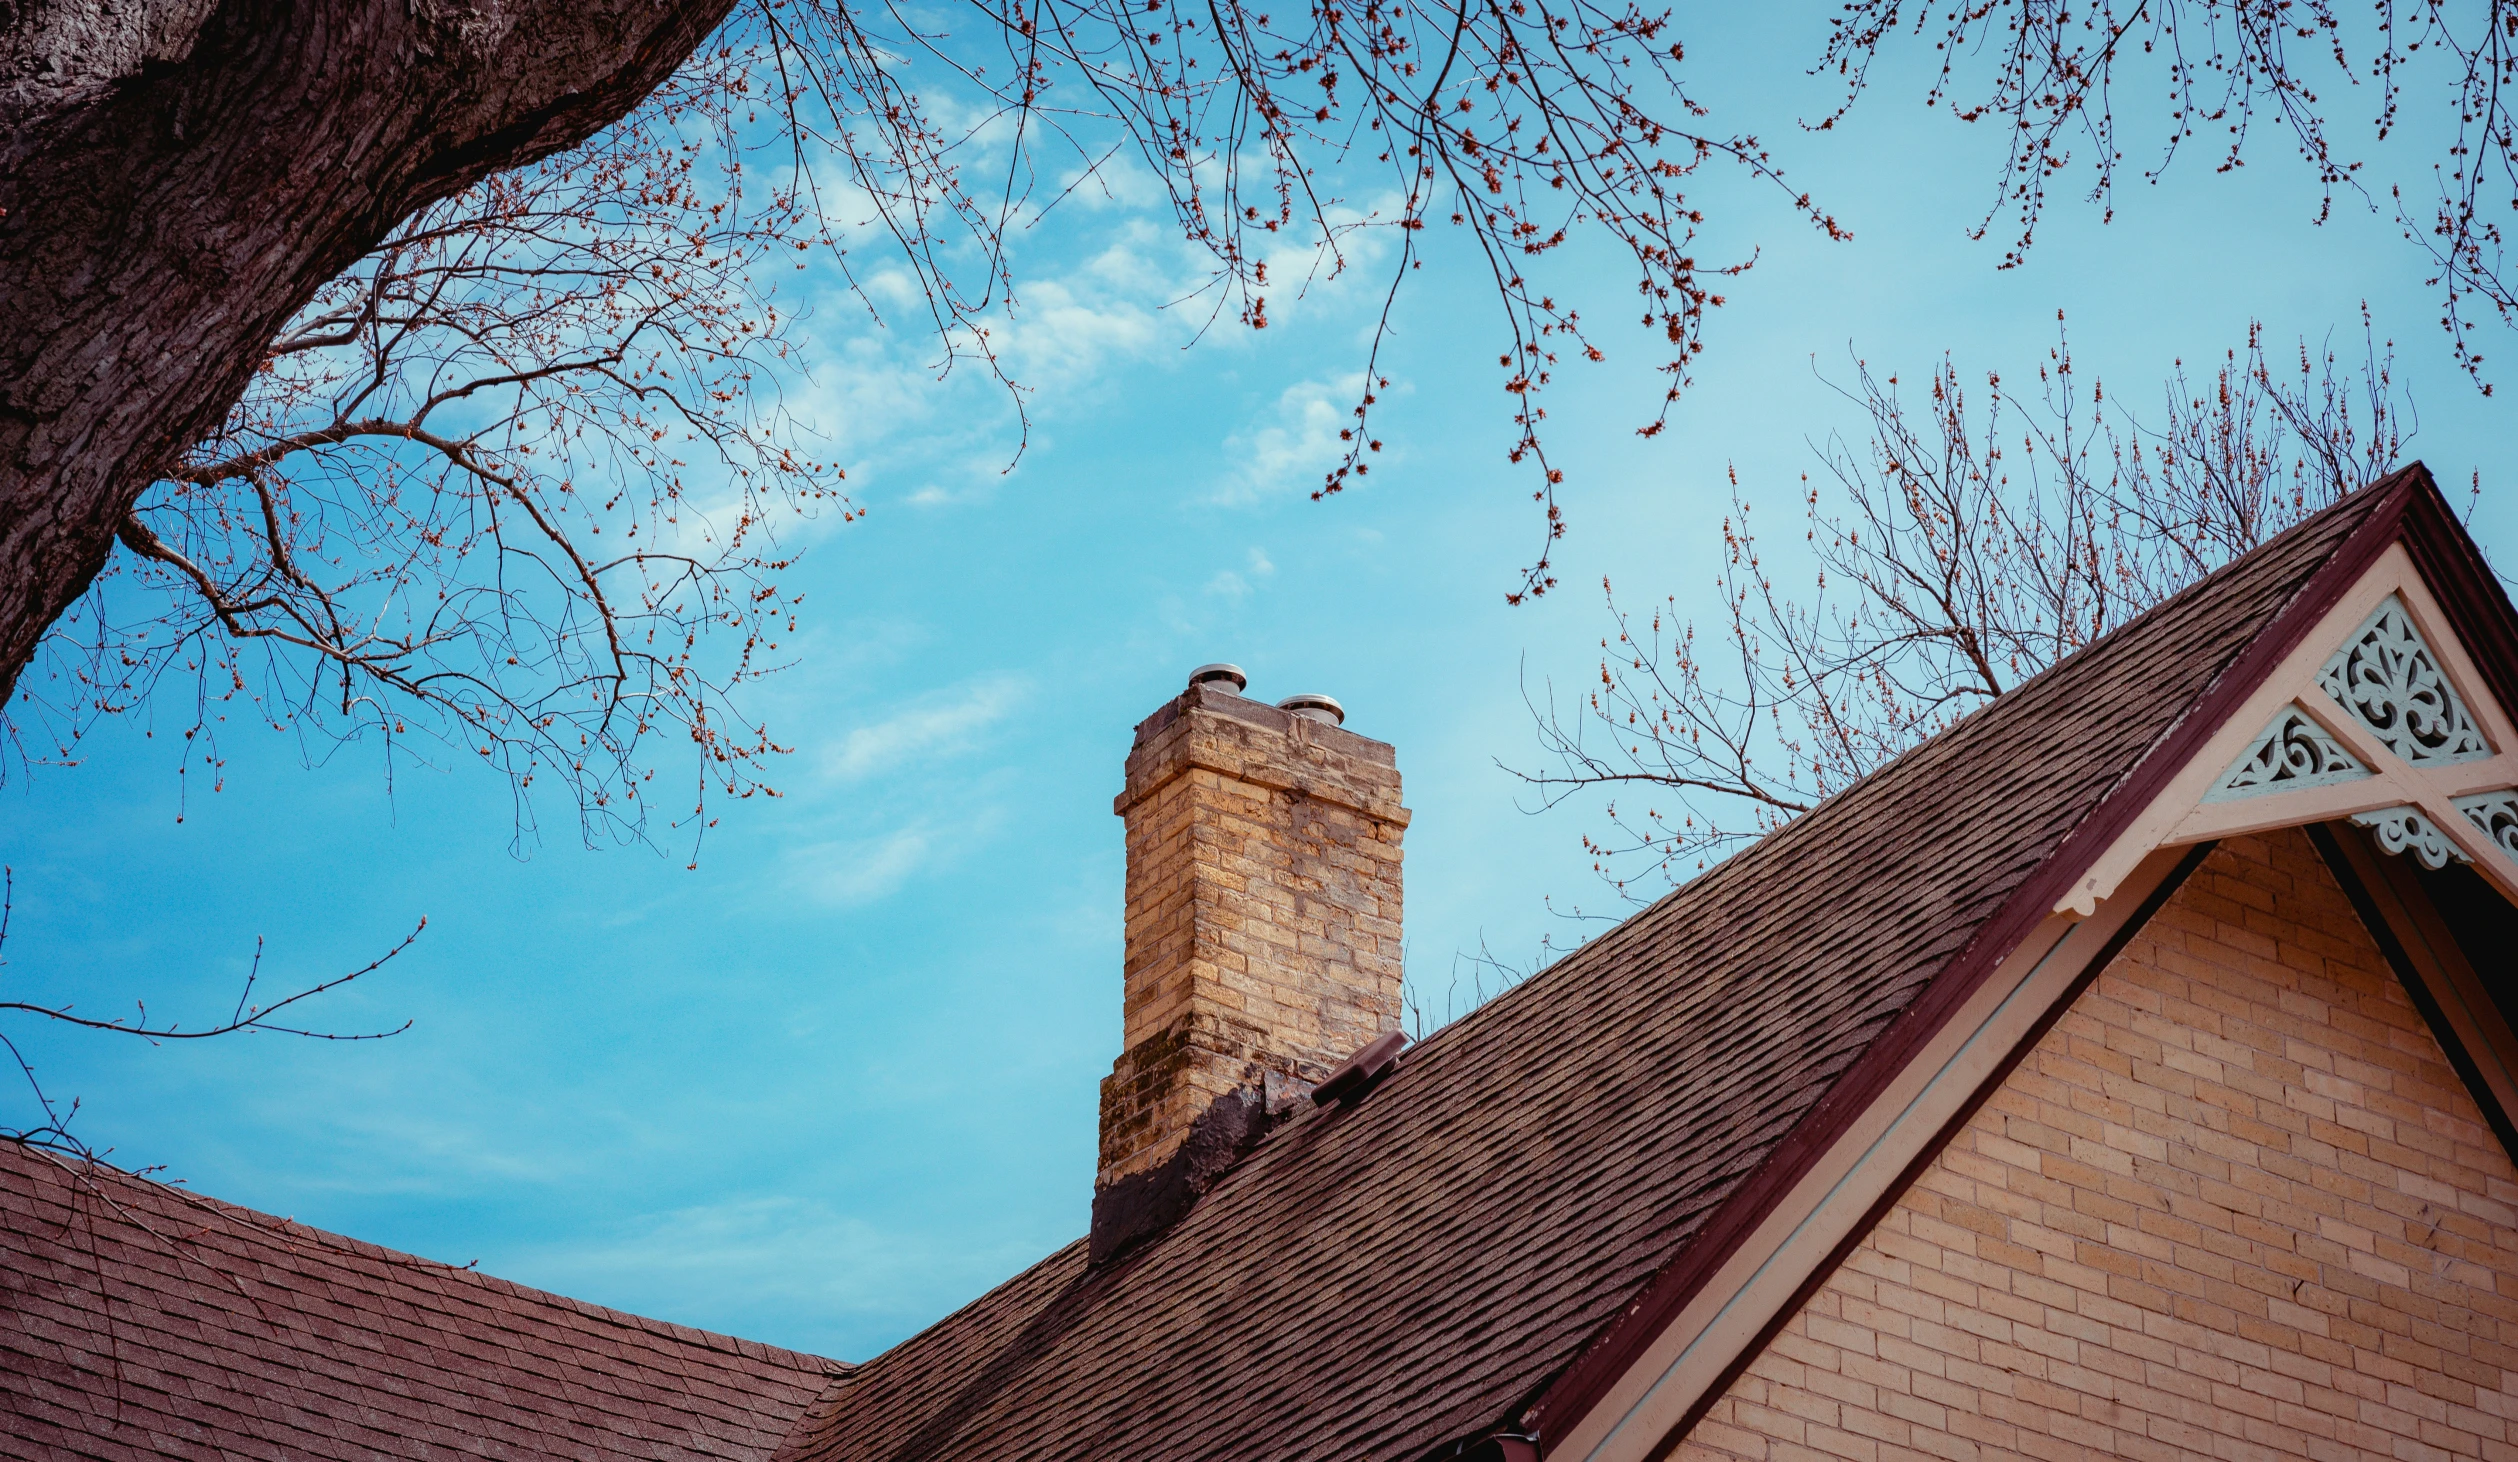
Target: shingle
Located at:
point(123, 1333)
point(1382, 1280)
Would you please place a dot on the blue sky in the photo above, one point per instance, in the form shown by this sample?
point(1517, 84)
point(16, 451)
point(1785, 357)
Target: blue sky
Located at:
point(841, 1078)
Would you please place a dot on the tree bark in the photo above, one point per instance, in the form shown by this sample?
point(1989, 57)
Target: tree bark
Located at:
point(178, 177)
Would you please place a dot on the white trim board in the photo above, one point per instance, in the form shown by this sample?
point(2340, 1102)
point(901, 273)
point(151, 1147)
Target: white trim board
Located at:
point(1864, 1166)
point(2179, 814)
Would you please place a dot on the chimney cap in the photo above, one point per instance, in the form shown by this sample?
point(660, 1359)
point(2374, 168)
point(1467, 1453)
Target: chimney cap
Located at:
point(1322, 708)
point(1220, 671)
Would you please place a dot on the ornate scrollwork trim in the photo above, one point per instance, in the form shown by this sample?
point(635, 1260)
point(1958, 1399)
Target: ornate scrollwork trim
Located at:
point(2390, 681)
point(2496, 813)
point(2293, 753)
point(2406, 830)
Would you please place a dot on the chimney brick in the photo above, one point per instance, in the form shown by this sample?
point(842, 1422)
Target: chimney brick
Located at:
point(1263, 929)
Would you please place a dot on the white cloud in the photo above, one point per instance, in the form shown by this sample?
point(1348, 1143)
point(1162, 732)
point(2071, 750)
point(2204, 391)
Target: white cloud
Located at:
point(1295, 446)
point(1232, 584)
point(864, 866)
point(1118, 180)
point(1112, 285)
point(867, 869)
point(405, 1121)
point(894, 397)
point(932, 728)
point(877, 806)
point(1299, 264)
point(1066, 329)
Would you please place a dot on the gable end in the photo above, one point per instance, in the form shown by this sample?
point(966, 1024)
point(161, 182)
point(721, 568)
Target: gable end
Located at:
point(2304, 725)
point(2235, 1202)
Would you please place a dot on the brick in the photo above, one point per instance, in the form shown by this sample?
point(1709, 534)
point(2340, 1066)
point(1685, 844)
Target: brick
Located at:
point(2234, 1206)
point(1263, 894)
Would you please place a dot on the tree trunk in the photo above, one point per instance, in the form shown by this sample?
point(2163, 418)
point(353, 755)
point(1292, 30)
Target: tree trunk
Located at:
point(178, 177)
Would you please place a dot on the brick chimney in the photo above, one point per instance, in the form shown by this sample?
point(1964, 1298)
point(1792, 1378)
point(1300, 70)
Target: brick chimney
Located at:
point(1263, 936)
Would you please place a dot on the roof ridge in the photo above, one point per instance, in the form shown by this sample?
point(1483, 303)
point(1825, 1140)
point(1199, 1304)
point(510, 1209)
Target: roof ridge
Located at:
point(274, 1225)
point(1782, 836)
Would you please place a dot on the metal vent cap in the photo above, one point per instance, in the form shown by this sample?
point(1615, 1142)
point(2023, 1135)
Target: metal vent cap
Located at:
point(1322, 708)
point(1219, 676)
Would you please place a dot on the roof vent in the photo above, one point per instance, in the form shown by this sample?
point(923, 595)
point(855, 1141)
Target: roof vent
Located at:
point(1322, 708)
point(1219, 676)
point(1361, 1069)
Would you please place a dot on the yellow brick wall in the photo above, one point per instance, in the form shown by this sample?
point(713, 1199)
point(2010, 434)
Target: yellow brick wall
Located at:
point(2235, 1205)
point(1263, 917)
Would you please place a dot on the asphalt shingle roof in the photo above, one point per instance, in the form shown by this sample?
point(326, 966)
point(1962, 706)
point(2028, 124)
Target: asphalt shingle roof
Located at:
point(137, 1320)
point(1377, 1282)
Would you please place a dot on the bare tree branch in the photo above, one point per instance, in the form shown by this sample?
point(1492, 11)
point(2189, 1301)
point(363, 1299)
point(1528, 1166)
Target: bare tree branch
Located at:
point(1961, 551)
point(2045, 72)
point(52, 1132)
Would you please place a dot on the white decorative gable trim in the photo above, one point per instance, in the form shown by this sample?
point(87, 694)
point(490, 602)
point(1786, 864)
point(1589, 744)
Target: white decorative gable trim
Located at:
point(2380, 684)
point(2405, 830)
point(2496, 813)
point(2292, 755)
point(2389, 681)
